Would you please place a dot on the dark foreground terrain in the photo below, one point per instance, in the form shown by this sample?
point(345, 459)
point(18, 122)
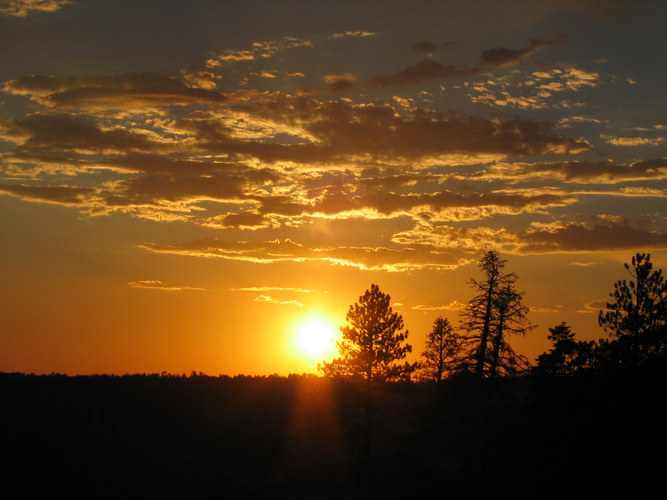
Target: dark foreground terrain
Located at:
point(152, 436)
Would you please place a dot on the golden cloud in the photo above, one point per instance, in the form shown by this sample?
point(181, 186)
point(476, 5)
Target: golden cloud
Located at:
point(274, 251)
point(24, 8)
point(159, 285)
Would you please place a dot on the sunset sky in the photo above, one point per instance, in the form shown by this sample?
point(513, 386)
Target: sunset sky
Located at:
point(184, 185)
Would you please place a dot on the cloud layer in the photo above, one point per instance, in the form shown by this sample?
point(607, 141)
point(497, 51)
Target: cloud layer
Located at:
point(235, 145)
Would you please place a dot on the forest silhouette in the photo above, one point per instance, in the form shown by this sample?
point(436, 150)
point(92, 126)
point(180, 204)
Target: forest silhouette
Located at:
point(471, 419)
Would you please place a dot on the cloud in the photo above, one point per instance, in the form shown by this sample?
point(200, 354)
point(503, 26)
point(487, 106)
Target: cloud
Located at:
point(424, 47)
point(167, 170)
point(272, 251)
point(49, 132)
point(60, 195)
point(547, 238)
point(148, 189)
point(244, 220)
point(341, 129)
point(428, 69)
point(593, 307)
point(354, 34)
point(167, 184)
point(575, 237)
point(338, 201)
point(258, 50)
point(455, 238)
point(516, 89)
point(633, 141)
point(159, 285)
point(584, 172)
point(200, 79)
point(341, 82)
point(266, 298)
point(452, 306)
point(276, 289)
point(502, 56)
point(425, 70)
point(23, 8)
point(274, 127)
point(41, 86)
point(539, 309)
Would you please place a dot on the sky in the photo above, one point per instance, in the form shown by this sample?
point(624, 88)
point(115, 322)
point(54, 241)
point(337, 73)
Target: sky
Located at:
point(184, 185)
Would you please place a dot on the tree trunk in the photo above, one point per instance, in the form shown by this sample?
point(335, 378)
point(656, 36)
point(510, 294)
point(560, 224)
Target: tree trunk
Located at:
point(497, 342)
point(484, 338)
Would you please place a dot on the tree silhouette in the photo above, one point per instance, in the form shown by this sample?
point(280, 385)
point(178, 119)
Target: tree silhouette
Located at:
point(637, 317)
point(567, 356)
point(443, 345)
point(510, 319)
point(373, 343)
point(490, 316)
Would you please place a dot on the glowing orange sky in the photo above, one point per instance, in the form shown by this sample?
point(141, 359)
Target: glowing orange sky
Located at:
point(180, 187)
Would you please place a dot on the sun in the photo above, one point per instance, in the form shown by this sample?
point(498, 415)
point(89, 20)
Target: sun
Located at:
point(316, 337)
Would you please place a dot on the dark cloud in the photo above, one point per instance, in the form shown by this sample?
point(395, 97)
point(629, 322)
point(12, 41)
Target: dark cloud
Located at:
point(154, 188)
point(368, 180)
point(583, 171)
point(501, 56)
point(339, 129)
point(425, 70)
point(62, 195)
point(574, 237)
point(41, 85)
point(39, 132)
point(105, 98)
point(188, 181)
point(424, 47)
point(203, 157)
point(380, 131)
point(341, 85)
point(245, 219)
point(337, 200)
point(118, 92)
point(167, 169)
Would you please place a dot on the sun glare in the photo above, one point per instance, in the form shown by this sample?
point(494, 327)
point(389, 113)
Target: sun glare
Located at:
point(316, 337)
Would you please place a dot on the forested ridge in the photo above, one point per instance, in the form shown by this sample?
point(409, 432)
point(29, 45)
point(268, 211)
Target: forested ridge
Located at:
point(162, 436)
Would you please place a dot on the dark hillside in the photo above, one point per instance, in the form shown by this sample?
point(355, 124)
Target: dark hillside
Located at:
point(151, 436)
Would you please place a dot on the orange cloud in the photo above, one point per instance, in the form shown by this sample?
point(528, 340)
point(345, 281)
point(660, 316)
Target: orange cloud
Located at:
point(266, 298)
point(259, 50)
point(275, 288)
point(633, 141)
point(365, 258)
point(159, 285)
point(452, 306)
point(24, 8)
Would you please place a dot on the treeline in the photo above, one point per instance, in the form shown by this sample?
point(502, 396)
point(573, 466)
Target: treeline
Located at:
point(161, 436)
point(374, 344)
